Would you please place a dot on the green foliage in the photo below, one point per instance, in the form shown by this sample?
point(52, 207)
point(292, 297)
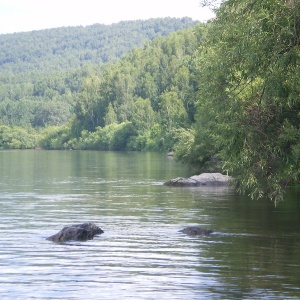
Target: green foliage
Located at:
point(111, 137)
point(73, 47)
point(56, 137)
point(90, 108)
point(173, 113)
point(111, 116)
point(46, 101)
point(122, 135)
point(104, 107)
point(18, 138)
point(221, 94)
point(143, 115)
point(42, 72)
point(115, 93)
point(184, 147)
point(248, 108)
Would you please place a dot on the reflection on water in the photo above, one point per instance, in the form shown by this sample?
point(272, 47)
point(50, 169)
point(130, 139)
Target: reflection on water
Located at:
point(253, 253)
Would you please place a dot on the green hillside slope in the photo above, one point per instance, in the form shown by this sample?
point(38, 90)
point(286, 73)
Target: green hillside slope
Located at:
point(73, 47)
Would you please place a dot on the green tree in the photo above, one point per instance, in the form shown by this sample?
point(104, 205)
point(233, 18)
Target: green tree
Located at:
point(110, 117)
point(148, 87)
point(91, 107)
point(52, 113)
point(143, 116)
point(173, 113)
point(249, 100)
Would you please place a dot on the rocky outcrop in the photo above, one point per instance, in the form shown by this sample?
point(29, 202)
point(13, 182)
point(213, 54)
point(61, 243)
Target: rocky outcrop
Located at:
point(204, 179)
point(194, 230)
point(79, 232)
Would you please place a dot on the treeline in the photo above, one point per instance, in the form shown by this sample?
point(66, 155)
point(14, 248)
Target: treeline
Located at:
point(73, 47)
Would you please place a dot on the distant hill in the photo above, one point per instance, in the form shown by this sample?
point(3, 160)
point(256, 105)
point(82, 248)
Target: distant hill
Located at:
point(73, 47)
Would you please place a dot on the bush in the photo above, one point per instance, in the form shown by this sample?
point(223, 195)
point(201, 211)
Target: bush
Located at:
point(18, 138)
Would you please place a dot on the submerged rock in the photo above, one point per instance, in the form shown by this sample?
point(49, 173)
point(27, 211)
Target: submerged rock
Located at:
point(204, 179)
point(194, 230)
point(79, 232)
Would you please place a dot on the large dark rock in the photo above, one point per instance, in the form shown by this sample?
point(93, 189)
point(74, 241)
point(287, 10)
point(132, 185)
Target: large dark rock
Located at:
point(194, 230)
point(204, 179)
point(79, 232)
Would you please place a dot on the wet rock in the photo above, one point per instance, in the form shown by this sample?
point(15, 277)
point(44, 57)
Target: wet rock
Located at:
point(204, 179)
point(79, 232)
point(194, 230)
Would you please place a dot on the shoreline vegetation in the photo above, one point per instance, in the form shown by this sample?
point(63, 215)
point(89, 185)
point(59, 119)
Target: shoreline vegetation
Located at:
point(222, 96)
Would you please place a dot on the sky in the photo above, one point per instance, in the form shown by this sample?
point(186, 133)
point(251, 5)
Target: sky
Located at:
point(28, 15)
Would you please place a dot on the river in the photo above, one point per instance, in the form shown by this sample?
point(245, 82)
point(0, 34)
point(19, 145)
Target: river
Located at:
point(254, 252)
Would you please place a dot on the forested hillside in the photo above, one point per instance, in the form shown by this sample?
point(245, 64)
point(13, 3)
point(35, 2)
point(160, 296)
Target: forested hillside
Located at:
point(146, 100)
point(143, 101)
point(73, 47)
point(42, 72)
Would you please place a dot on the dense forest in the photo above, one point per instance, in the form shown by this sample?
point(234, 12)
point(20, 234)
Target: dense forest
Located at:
point(73, 47)
point(42, 72)
point(224, 96)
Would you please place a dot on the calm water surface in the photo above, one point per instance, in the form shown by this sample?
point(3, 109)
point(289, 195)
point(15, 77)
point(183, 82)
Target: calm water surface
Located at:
point(254, 252)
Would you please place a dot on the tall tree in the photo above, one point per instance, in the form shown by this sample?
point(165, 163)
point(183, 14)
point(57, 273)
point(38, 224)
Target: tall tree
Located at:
point(111, 116)
point(249, 95)
point(143, 116)
point(173, 113)
point(91, 106)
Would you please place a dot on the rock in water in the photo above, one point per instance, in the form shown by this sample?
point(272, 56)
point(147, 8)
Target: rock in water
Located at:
point(79, 232)
point(194, 230)
point(204, 179)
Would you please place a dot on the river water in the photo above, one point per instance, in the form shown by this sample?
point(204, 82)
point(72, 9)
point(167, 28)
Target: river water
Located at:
point(253, 253)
